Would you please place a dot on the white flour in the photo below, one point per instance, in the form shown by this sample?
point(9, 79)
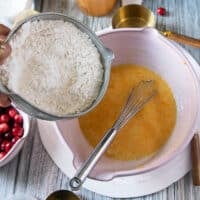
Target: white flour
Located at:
point(54, 66)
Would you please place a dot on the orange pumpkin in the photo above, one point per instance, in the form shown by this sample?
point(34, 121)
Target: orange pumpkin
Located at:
point(96, 7)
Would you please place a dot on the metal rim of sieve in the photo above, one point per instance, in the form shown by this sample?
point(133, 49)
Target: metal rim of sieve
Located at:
point(106, 59)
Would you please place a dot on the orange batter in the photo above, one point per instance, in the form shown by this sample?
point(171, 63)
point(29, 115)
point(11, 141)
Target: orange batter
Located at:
point(145, 133)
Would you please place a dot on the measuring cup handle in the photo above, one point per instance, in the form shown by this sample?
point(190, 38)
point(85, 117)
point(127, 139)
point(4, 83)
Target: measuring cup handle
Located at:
point(76, 182)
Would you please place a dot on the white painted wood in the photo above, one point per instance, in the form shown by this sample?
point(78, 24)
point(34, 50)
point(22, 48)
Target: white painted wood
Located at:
point(32, 171)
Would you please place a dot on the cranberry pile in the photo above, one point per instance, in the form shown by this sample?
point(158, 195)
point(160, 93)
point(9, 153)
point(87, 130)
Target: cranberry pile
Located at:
point(11, 129)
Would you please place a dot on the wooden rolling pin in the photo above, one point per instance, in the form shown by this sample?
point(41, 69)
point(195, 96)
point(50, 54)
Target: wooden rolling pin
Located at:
point(182, 38)
point(195, 154)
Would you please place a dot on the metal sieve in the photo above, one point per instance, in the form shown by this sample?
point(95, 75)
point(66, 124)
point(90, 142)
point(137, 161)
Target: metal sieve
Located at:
point(106, 58)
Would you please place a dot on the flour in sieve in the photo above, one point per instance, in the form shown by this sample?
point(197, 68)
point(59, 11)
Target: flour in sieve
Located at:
point(54, 66)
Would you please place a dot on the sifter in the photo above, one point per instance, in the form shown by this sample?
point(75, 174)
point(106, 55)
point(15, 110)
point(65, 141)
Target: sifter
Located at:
point(138, 16)
point(106, 56)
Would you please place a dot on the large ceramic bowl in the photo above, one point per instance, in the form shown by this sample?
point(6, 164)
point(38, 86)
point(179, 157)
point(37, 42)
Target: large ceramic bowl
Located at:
point(148, 48)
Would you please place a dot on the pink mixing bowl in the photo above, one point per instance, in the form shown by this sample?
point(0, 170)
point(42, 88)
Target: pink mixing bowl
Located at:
point(148, 48)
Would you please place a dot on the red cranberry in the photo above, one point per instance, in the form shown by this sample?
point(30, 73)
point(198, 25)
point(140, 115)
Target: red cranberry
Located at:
point(14, 140)
point(161, 11)
point(12, 112)
point(2, 154)
point(8, 146)
point(4, 118)
point(8, 136)
point(4, 128)
point(3, 144)
point(18, 118)
point(18, 131)
point(16, 125)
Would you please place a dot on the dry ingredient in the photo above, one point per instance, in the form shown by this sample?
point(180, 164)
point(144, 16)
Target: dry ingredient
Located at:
point(54, 66)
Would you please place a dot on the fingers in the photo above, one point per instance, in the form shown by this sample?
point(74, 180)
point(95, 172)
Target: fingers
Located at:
point(4, 30)
point(5, 49)
point(4, 100)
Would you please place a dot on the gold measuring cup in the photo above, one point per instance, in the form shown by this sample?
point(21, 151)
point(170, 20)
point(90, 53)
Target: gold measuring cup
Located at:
point(134, 15)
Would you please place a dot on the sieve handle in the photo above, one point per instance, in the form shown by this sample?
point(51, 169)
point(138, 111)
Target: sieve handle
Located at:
point(182, 39)
point(76, 182)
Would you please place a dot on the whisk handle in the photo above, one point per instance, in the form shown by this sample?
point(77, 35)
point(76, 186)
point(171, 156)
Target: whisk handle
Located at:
point(76, 182)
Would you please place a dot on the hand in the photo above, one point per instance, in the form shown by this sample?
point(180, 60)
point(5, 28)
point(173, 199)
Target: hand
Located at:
point(5, 51)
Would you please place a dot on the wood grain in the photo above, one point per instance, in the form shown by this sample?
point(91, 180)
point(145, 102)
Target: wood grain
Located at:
point(33, 171)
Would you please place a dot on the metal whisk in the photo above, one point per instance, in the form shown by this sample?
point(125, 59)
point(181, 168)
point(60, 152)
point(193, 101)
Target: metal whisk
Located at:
point(138, 97)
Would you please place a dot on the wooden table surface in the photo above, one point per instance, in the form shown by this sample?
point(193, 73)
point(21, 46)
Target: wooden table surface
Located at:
point(33, 171)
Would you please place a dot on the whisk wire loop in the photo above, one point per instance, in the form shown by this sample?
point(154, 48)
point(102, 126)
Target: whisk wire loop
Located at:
point(139, 96)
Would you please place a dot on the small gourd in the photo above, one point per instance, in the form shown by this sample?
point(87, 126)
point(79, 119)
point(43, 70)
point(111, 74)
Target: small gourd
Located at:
point(96, 7)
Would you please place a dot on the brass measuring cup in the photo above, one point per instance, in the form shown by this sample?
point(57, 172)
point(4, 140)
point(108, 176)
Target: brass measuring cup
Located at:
point(134, 15)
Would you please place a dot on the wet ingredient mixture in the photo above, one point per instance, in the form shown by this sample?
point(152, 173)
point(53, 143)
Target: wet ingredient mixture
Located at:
point(145, 133)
